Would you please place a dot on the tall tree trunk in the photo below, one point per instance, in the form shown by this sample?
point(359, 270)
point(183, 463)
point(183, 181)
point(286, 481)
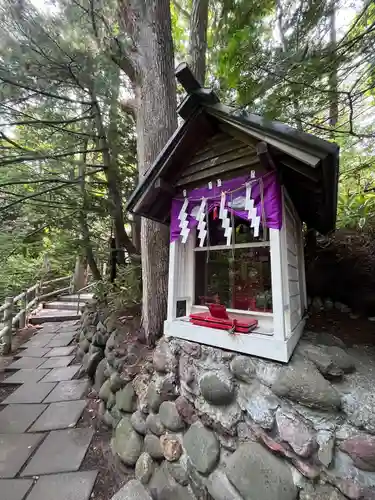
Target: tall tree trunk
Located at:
point(198, 38)
point(334, 105)
point(86, 241)
point(113, 148)
point(114, 184)
point(149, 24)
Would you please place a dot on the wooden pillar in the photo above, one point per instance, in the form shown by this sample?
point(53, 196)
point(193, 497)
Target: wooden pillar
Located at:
point(38, 293)
point(277, 284)
point(6, 346)
point(22, 321)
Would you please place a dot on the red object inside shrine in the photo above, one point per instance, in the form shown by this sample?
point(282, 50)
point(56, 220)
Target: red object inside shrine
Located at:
point(229, 323)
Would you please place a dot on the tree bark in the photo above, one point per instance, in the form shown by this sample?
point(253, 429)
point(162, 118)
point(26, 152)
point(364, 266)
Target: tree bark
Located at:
point(114, 183)
point(198, 39)
point(334, 105)
point(148, 22)
point(85, 233)
point(114, 171)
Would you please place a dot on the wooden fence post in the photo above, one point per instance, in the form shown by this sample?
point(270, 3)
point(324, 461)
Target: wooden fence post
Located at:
point(38, 292)
point(26, 306)
point(23, 317)
point(6, 347)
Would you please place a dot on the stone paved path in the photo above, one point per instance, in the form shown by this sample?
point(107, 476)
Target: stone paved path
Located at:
point(41, 450)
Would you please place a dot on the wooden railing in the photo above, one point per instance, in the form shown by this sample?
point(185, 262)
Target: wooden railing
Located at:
point(16, 309)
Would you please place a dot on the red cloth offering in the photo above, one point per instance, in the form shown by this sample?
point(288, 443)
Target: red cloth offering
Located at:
point(240, 326)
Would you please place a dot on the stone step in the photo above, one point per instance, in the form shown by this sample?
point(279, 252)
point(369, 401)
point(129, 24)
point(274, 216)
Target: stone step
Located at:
point(83, 297)
point(53, 315)
point(67, 306)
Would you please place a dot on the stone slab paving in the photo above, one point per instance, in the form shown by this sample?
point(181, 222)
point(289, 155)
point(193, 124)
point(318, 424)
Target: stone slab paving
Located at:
point(59, 416)
point(60, 351)
point(25, 362)
point(34, 352)
point(50, 327)
point(61, 451)
point(67, 391)
point(61, 340)
point(14, 489)
point(69, 325)
point(39, 340)
point(25, 376)
point(47, 400)
point(18, 418)
point(15, 449)
point(53, 315)
point(61, 374)
point(57, 362)
point(30, 393)
point(68, 486)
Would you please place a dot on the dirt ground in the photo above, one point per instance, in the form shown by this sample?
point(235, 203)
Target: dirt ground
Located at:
point(351, 331)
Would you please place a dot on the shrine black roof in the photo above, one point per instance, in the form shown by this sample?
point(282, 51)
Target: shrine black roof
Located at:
point(308, 165)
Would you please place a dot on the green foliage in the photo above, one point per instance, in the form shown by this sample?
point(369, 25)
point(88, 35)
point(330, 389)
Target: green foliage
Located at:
point(53, 180)
point(125, 293)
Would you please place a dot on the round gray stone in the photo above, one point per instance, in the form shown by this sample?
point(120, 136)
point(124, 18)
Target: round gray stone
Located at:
point(111, 401)
point(144, 468)
point(100, 374)
point(84, 345)
point(159, 390)
point(126, 399)
point(153, 447)
point(178, 472)
point(170, 417)
point(217, 388)
point(95, 349)
point(108, 419)
point(138, 421)
point(154, 425)
point(220, 488)
point(202, 448)
point(301, 382)
point(243, 368)
point(105, 391)
point(116, 415)
point(133, 490)
point(163, 359)
point(116, 382)
point(257, 474)
point(90, 362)
point(127, 443)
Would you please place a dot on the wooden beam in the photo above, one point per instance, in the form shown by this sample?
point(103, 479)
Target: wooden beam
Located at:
point(265, 156)
point(186, 78)
point(163, 186)
point(211, 173)
point(238, 134)
point(298, 167)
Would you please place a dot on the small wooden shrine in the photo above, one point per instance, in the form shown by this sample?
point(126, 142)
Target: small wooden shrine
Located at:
point(236, 190)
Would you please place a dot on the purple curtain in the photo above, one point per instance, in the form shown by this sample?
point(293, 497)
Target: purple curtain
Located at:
point(235, 201)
